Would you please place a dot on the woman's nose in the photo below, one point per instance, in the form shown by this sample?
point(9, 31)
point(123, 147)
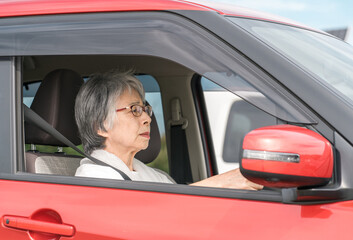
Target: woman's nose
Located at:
point(146, 119)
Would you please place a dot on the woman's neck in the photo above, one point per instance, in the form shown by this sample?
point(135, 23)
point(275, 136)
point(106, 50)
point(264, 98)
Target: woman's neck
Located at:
point(127, 158)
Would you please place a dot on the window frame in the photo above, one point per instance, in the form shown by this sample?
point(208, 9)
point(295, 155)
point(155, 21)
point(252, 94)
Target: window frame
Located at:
point(10, 128)
point(168, 19)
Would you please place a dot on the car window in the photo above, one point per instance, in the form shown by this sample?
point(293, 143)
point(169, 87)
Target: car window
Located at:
point(29, 91)
point(168, 47)
point(230, 119)
point(153, 97)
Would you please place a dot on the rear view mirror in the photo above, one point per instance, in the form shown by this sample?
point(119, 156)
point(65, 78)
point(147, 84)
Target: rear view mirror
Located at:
point(286, 156)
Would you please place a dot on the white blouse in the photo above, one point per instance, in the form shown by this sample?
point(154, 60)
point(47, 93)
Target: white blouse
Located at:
point(141, 171)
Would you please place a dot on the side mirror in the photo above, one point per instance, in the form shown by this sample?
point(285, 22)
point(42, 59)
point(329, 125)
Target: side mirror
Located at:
point(286, 156)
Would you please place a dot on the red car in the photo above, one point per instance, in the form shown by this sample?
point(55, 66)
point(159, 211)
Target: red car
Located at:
point(230, 87)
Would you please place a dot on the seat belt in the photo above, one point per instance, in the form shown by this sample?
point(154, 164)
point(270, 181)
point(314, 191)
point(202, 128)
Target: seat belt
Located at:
point(37, 120)
point(180, 169)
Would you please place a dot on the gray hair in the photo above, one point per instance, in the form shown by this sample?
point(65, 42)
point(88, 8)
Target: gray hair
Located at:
point(96, 102)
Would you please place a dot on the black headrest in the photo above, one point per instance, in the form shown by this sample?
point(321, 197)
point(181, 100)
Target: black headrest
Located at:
point(151, 153)
point(55, 102)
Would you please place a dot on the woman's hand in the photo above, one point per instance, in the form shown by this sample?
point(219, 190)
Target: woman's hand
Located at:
point(230, 179)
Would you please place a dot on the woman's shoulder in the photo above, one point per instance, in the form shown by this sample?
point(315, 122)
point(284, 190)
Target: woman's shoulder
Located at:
point(90, 169)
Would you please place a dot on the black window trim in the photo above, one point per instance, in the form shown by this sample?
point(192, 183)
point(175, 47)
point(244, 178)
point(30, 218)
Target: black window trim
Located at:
point(204, 126)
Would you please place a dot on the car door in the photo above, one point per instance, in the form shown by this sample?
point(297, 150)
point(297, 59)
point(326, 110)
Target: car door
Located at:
point(35, 206)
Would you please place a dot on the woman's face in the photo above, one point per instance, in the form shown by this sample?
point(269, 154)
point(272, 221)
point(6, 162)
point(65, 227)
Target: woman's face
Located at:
point(129, 133)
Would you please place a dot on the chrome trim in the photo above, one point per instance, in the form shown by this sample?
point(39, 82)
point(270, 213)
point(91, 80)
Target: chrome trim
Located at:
point(271, 156)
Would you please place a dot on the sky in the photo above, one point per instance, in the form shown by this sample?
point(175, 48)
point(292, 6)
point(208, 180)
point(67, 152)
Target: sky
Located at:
point(319, 14)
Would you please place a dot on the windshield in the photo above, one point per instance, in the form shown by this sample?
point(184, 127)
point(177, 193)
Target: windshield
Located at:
point(329, 59)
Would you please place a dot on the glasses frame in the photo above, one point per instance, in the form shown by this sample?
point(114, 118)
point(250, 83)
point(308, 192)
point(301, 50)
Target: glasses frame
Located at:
point(147, 109)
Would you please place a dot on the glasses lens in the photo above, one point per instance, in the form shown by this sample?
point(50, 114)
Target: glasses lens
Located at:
point(136, 110)
point(148, 110)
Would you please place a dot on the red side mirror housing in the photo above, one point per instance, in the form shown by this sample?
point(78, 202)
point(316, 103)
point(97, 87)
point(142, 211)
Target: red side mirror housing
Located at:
point(286, 156)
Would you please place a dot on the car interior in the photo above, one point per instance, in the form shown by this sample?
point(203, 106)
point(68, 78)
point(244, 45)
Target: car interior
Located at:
point(59, 79)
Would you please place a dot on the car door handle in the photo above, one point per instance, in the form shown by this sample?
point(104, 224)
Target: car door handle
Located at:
point(24, 223)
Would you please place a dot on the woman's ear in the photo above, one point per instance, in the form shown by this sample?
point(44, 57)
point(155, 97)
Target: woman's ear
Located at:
point(102, 133)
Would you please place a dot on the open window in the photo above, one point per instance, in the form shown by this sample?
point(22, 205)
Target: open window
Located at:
point(55, 102)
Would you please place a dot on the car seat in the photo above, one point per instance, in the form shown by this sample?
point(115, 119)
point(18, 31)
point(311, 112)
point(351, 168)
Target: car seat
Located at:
point(54, 102)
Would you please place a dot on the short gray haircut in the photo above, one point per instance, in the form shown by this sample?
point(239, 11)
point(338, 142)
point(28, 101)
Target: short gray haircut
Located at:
point(96, 102)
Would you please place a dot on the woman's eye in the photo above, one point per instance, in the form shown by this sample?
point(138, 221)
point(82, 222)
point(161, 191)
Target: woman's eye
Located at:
point(135, 109)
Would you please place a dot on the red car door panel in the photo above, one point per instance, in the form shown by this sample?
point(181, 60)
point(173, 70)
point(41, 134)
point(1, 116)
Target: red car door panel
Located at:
point(105, 213)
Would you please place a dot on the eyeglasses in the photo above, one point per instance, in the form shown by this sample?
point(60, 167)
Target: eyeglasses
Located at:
point(137, 110)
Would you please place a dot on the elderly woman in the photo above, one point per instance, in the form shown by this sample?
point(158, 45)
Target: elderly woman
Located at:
point(114, 124)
